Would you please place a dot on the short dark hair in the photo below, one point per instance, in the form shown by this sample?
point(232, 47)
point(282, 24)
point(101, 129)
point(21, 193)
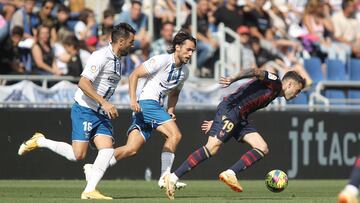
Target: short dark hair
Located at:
point(180, 38)
point(17, 30)
point(109, 13)
point(63, 8)
point(84, 14)
point(346, 3)
point(71, 41)
point(136, 2)
point(294, 76)
point(121, 30)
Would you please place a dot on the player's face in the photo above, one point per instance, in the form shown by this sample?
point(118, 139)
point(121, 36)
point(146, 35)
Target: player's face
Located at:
point(291, 89)
point(185, 51)
point(126, 45)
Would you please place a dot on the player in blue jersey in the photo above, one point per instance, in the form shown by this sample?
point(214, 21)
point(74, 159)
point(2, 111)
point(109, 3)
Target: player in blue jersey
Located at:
point(231, 121)
point(351, 191)
point(92, 111)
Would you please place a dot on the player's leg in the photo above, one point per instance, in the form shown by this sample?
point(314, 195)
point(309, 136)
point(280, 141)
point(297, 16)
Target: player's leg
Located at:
point(172, 136)
point(258, 151)
point(194, 159)
point(350, 192)
point(133, 144)
point(104, 144)
point(248, 134)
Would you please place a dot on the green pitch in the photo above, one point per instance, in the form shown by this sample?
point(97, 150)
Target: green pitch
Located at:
point(38, 191)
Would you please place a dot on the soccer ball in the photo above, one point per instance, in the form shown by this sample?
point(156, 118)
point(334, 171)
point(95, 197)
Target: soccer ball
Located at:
point(276, 180)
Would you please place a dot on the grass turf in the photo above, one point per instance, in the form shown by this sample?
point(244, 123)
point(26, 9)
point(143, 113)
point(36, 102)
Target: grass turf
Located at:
point(302, 191)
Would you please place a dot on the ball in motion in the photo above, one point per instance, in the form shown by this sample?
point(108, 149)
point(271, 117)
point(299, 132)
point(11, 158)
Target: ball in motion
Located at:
point(276, 180)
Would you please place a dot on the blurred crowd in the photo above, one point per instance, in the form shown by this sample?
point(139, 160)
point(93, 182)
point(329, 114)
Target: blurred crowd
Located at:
point(55, 37)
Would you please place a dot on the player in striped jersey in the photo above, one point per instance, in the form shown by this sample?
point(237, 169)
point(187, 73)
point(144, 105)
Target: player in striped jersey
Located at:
point(165, 76)
point(92, 112)
point(231, 121)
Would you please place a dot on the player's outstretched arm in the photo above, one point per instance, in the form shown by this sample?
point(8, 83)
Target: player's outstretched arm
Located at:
point(139, 72)
point(86, 86)
point(247, 73)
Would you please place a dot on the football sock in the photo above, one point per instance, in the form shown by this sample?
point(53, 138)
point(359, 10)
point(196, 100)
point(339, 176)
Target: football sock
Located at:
point(246, 160)
point(355, 174)
point(167, 159)
point(112, 161)
point(192, 161)
point(99, 167)
point(61, 148)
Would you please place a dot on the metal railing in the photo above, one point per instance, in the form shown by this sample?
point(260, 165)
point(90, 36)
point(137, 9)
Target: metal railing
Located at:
point(193, 27)
point(229, 62)
point(318, 97)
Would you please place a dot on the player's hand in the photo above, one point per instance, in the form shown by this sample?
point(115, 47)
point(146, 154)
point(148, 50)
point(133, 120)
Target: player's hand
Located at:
point(206, 126)
point(226, 81)
point(173, 116)
point(135, 107)
point(111, 110)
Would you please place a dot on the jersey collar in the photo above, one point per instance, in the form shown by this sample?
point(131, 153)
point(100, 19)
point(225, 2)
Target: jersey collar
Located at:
point(112, 52)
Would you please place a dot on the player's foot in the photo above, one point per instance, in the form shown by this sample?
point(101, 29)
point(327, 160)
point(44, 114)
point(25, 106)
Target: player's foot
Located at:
point(347, 197)
point(170, 186)
point(178, 185)
point(30, 144)
point(87, 170)
point(94, 195)
point(230, 180)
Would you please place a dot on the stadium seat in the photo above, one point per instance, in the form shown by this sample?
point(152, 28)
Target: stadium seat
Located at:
point(335, 72)
point(302, 98)
point(313, 67)
point(354, 75)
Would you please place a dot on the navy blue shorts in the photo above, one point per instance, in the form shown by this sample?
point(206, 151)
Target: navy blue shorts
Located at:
point(227, 124)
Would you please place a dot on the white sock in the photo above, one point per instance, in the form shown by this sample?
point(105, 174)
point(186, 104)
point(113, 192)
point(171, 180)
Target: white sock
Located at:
point(61, 148)
point(351, 188)
point(167, 160)
point(173, 178)
point(112, 161)
point(231, 172)
point(99, 167)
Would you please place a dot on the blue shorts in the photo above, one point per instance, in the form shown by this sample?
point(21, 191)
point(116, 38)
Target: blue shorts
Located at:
point(86, 123)
point(227, 124)
point(151, 116)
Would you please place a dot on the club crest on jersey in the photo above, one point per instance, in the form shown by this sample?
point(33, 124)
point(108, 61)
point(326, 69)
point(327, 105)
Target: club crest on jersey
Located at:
point(93, 68)
point(272, 76)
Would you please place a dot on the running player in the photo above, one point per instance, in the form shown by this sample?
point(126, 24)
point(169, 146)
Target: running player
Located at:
point(165, 76)
point(231, 121)
point(92, 112)
point(351, 191)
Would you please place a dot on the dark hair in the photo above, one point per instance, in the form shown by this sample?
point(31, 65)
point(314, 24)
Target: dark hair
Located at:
point(71, 41)
point(45, 1)
point(179, 39)
point(136, 2)
point(166, 23)
point(294, 76)
point(346, 3)
point(84, 14)
point(63, 8)
point(109, 13)
point(17, 30)
point(121, 30)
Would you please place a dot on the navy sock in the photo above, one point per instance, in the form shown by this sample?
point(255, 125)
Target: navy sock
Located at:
point(246, 160)
point(192, 161)
point(355, 174)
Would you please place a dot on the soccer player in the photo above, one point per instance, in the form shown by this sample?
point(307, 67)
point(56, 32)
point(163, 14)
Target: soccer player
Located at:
point(350, 192)
point(165, 76)
point(231, 121)
point(92, 112)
